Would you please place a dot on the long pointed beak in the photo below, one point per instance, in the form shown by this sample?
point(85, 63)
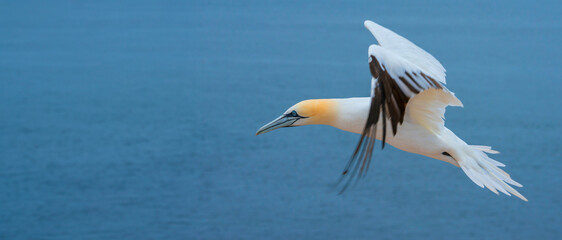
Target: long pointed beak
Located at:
point(283, 121)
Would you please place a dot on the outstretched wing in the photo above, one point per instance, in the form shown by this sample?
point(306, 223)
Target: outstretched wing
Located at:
point(397, 80)
point(406, 49)
point(398, 77)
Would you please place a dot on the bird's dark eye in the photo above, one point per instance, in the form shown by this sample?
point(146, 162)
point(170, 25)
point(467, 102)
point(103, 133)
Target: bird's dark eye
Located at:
point(293, 114)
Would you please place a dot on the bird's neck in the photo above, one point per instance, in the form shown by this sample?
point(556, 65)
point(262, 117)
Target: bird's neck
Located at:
point(352, 114)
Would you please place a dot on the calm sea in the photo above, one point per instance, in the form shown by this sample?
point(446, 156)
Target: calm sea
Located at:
point(136, 120)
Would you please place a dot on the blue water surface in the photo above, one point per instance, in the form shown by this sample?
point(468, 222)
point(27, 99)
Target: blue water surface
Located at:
point(136, 120)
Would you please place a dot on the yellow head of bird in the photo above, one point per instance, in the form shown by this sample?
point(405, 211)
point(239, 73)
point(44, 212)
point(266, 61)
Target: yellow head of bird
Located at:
point(314, 111)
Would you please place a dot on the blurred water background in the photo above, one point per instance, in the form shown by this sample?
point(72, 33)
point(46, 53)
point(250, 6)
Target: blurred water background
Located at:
point(136, 120)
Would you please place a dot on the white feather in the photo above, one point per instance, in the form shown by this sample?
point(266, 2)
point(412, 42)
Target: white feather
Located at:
point(483, 170)
point(408, 50)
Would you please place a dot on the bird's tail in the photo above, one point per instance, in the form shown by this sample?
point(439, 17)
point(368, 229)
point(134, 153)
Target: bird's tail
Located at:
point(485, 172)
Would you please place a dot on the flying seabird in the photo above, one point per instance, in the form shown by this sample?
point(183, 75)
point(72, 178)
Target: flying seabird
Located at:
point(406, 110)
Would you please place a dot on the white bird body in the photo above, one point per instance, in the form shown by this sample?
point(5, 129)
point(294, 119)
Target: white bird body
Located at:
point(353, 114)
point(406, 109)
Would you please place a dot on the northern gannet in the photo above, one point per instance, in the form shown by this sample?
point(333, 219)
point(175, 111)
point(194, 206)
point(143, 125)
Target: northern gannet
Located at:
point(408, 95)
